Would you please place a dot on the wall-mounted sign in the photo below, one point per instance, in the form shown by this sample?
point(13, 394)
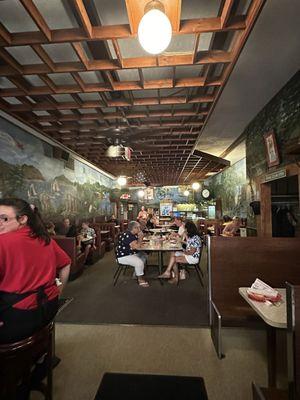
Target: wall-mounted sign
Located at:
point(275, 175)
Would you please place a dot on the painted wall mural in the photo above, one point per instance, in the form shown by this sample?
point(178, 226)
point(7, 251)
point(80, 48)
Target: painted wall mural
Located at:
point(26, 172)
point(173, 194)
point(232, 187)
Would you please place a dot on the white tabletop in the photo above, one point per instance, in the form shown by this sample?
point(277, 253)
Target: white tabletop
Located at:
point(273, 315)
point(160, 230)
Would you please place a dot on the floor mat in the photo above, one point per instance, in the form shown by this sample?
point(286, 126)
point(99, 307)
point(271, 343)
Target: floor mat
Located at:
point(150, 387)
point(97, 301)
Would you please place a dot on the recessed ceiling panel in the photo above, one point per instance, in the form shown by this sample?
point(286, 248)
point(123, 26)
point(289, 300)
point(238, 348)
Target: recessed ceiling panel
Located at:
point(62, 79)
point(15, 18)
point(56, 13)
point(61, 52)
point(24, 55)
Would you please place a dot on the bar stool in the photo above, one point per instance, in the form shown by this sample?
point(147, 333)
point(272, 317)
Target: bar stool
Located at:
point(17, 360)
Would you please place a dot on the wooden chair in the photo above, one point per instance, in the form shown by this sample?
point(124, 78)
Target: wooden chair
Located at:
point(17, 360)
point(120, 267)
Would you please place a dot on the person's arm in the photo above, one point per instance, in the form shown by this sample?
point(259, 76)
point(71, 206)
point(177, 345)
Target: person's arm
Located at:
point(190, 251)
point(63, 275)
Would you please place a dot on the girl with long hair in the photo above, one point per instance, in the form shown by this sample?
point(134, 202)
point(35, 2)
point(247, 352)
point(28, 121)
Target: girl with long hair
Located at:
point(29, 263)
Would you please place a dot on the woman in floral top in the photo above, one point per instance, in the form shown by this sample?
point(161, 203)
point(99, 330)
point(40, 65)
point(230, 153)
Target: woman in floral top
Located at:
point(191, 255)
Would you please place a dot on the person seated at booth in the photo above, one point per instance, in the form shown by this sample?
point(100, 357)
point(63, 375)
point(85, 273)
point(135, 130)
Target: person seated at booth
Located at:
point(190, 255)
point(127, 254)
point(232, 228)
point(86, 239)
point(66, 228)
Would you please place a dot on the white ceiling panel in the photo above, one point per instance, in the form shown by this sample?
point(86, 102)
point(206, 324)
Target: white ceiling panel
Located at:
point(6, 83)
point(61, 52)
point(34, 80)
point(15, 18)
point(111, 12)
point(91, 77)
point(199, 8)
point(24, 55)
point(62, 79)
point(57, 13)
point(89, 96)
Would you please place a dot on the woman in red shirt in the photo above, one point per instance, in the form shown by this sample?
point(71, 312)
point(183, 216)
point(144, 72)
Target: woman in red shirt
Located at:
point(29, 263)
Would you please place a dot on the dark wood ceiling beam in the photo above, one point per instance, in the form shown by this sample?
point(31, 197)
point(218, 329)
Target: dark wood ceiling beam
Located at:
point(226, 12)
point(44, 56)
point(85, 20)
point(210, 157)
point(113, 32)
point(13, 65)
point(77, 46)
point(37, 17)
point(90, 88)
point(214, 56)
point(5, 35)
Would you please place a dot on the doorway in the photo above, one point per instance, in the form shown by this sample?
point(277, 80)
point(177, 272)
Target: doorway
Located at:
point(285, 207)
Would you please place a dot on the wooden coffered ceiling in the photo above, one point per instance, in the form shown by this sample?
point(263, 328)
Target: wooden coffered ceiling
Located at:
point(88, 84)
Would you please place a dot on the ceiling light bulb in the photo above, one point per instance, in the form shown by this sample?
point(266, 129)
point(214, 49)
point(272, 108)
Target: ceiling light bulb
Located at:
point(122, 180)
point(155, 30)
point(141, 193)
point(186, 193)
point(196, 186)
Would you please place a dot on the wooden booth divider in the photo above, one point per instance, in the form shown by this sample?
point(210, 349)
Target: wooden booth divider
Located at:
point(235, 262)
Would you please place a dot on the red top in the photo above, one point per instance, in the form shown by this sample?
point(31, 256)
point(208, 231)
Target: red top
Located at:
point(27, 263)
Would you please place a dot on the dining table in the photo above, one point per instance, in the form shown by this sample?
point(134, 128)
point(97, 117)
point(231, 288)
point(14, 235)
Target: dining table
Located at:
point(275, 317)
point(161, 247)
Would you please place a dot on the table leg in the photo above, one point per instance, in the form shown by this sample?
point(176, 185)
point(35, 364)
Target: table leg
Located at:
point(271, 354)
point(160, 265)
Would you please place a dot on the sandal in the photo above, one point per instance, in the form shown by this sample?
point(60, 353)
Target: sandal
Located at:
point(173, 281)
point(164, 276)
point(143, 284)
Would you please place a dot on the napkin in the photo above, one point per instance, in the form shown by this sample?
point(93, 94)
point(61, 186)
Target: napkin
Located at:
point(261, 288)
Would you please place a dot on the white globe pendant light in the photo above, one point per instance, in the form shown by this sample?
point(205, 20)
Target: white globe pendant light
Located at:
point(186, 193)
point(196, 186)
point(155, 30)
point(141, 193)
point(122, 181)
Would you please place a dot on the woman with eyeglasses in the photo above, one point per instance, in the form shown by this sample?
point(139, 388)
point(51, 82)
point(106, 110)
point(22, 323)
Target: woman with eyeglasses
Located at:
point(29, 264)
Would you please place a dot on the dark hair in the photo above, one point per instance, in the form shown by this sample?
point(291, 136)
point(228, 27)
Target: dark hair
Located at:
point(34, 219)
point(226, 218)
point(191, 229)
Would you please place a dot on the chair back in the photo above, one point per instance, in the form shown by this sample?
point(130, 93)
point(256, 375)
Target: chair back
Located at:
point(18, 358)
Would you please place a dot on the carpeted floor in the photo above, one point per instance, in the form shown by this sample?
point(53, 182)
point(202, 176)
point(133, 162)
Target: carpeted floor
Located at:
point(96, 301)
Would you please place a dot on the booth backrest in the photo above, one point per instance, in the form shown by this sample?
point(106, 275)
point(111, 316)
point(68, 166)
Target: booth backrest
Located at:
point(68, 244)
point(237, 262)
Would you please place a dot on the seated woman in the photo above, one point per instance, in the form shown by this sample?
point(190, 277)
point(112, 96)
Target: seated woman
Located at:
point(86, 239)
point(127, 254)
point(191, 254)
point(29, 263)
point(232, 228)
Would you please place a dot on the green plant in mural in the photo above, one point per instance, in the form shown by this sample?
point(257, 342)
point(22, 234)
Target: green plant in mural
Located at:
point(13, 181)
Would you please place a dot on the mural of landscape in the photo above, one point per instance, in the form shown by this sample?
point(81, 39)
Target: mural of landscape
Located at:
point(232, 187)
point(27, 172)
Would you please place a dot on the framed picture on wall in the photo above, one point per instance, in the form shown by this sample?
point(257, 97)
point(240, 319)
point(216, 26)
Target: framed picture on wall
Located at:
point(271, 149)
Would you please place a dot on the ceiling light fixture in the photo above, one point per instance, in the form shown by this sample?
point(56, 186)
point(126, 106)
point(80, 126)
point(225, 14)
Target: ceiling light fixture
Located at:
point(141, 193)
point(122, 181)
point(196, 186)
point(155, 30)
point(186, 193)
